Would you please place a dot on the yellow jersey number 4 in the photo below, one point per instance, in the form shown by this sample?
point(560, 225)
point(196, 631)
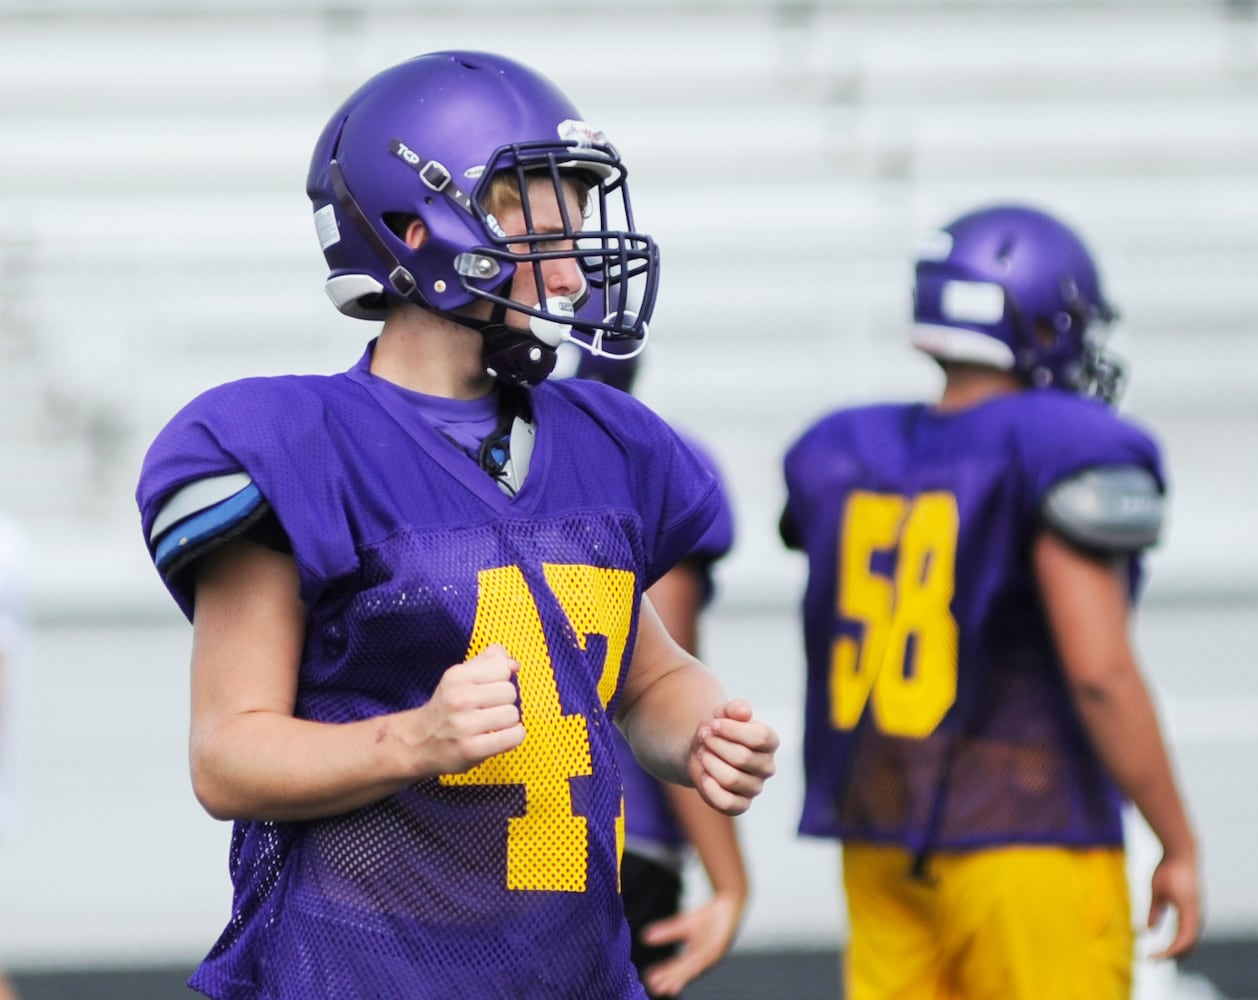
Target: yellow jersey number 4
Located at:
point(547, 847)
point(904, 663)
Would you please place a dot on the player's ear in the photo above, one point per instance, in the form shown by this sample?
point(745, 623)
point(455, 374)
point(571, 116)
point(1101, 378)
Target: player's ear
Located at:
point(415, 234)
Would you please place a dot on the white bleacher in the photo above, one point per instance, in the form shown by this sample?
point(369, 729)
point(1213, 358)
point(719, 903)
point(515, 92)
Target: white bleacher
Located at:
point(155, 239)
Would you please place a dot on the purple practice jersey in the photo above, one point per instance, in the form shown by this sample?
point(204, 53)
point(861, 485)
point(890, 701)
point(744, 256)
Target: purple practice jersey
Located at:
point(937, 714)
point(501, 882)
point(651, 826)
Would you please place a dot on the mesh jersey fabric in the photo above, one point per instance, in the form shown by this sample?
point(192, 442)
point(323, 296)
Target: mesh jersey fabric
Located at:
point(503, 881)
point(937, 715)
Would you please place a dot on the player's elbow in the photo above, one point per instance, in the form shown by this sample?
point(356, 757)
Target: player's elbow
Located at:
point(212, 796)
point(215, 794)
point(1102, 681)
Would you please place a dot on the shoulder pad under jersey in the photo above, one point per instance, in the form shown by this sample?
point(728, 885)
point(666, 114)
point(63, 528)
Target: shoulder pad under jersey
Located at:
point(1112, 508)
point(201, 515)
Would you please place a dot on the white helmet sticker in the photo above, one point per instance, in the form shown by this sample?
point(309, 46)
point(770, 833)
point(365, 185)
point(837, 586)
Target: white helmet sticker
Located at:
point(972, 302)
point(326, 228)
point(582, 133)
point(491, 221)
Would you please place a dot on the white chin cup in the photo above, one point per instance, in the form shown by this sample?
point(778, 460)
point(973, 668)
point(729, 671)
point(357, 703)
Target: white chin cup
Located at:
point(548, 331)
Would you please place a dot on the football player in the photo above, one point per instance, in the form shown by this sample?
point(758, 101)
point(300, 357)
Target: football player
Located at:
point(975, 713)
point(416, 586)
point(672, 947)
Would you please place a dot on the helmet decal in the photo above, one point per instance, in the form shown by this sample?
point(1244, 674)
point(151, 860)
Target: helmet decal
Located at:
point(583, 135)
point(972, 302)
point(326, 229)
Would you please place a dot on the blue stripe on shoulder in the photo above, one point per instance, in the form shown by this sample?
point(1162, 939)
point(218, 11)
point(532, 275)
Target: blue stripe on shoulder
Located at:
point(205, 524)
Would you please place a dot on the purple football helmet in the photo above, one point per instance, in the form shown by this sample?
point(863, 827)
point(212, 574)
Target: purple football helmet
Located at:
point(423, 140)
point(1012, 287)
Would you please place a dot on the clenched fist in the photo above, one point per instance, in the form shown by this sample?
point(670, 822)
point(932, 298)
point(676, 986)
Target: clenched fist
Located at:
point(731, 757)
point(473, 714)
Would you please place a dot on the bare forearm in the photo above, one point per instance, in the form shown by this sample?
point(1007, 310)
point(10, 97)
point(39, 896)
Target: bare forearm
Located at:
point(262, 765)
point(661, 723)
point(1086, 601)
point(1120, 719)
point(681, 727)
point(714, 837)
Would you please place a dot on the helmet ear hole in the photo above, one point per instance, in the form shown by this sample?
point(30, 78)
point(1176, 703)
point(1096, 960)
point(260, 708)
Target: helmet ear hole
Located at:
point(398, 223)
point(1045, 335)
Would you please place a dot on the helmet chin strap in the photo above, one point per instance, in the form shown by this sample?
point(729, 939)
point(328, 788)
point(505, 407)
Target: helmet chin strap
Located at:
point(524, 357)
point(514, 356)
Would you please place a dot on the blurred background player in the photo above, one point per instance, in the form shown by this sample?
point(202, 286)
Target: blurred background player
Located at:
point(670, 947)
point(975, 713)
point(414, 585)
point(13, 645)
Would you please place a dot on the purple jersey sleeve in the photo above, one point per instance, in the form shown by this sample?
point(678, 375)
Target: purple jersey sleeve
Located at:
point(502, 881)
point(936, 713)
point(719, 538)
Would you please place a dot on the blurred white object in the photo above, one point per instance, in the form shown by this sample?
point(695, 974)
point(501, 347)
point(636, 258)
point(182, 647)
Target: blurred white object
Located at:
point(13, 646)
